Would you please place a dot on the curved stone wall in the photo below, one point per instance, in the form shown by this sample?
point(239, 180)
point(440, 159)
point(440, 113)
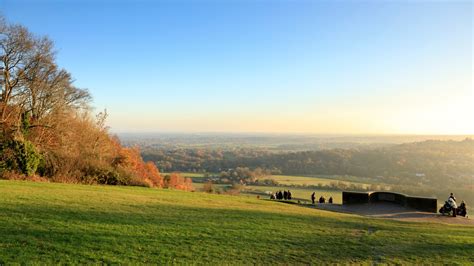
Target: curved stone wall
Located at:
point(419, 203)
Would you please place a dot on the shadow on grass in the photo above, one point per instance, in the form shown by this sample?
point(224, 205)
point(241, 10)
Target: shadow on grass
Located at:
point(166, 233)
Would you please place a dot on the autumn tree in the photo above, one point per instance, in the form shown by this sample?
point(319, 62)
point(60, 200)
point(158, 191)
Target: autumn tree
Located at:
point(46, 125)
point(177, 181)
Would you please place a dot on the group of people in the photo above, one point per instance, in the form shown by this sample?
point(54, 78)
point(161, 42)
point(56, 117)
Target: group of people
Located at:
point(457, 210)
point(279, 195)
point(322, 199)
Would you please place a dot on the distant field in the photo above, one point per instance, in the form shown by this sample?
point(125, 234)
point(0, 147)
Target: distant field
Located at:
point(300, 180)
point(62, 223)
point(295, 180)
point(186, 174)
point(311, 181)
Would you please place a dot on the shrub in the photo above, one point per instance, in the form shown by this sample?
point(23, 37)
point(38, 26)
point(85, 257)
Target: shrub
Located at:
point(8, 175)
point(209, 187)
point(176, 181)
point(105, 176)
point(19, 155)
point(130, 161)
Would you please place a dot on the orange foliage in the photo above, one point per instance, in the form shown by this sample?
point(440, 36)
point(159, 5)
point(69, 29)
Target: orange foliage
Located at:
point(154, 174)
point(131, 161)
point(177, 181)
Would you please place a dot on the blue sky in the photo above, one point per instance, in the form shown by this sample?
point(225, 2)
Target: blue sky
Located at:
point(266, 66)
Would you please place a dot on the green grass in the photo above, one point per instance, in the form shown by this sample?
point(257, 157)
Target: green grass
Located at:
point(62, 223)
point(187, 174)
point(293, 180)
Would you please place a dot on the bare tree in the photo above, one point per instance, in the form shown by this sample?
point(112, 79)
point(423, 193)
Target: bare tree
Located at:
point(31, 80)
point(16, 53)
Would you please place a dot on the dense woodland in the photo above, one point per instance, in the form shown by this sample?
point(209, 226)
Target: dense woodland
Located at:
point(426, 168)
point(47, 127)
point(426, 163)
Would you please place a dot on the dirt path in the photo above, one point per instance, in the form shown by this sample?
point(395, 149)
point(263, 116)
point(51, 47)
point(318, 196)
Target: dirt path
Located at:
point(396, 212)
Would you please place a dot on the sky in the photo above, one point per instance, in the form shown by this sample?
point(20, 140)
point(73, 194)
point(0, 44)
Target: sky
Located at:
point(327, 67)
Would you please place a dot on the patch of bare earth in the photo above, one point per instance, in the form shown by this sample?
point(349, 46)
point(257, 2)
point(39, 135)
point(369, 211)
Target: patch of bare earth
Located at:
point(396, 212)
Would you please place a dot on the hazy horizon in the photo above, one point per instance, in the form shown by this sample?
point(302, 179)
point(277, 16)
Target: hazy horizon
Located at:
point(226, 133)
point(278, 67)
point(305, 141)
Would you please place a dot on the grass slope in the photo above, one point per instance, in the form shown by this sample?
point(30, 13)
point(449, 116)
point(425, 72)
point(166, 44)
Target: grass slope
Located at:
point(53, 223)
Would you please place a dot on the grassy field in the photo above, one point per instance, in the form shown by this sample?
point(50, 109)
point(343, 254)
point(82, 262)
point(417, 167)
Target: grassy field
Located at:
point(63, 223)
point(191, 175)
point(295, 180)
point(309, 181)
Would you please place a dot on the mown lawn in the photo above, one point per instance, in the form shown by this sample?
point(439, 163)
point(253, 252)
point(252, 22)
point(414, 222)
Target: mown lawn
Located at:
point(62, 223)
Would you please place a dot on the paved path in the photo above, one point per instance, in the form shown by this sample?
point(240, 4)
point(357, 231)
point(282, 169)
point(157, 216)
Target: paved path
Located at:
point(394, 211)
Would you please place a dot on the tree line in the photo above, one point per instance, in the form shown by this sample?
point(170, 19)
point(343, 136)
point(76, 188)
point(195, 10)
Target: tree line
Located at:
point(420, 163)
point(47, 129)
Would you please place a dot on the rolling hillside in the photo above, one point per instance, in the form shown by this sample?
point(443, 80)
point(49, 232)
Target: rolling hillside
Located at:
point(63, 223)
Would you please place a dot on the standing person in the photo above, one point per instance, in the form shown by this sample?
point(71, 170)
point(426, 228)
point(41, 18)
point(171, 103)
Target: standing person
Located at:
point(285, 195)
point(313, 197)
point(289, 195)
point(280, 195)
point(330, 200)
point(453, 205)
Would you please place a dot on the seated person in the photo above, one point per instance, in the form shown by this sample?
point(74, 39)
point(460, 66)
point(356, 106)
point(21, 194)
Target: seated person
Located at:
point(462, 209)
point(322, 199)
